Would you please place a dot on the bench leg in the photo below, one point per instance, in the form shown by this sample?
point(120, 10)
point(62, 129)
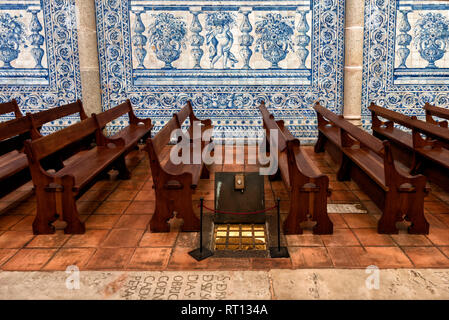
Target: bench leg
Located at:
point(123, 172)
point(205, 174)
point(162, 213)
point(319, 146)
point(324, 224)
point(344, 172)
point(387, 223)
point(69, 212)
point(45, 213)
point(185, 211)
point(416, 210)
point(297, 213)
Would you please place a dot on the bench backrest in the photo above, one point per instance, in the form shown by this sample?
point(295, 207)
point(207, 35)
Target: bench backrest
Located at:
point(162, 138)
point(43, 117)
point(10, 106)
point(360, 135)
point(438, 112)
point(14, 127)
point(426, 128)
point(56, 141)
point(107, 116)
point(271, 124)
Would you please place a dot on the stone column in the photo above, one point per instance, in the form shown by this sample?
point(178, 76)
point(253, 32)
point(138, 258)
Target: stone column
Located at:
point(88, 52)
point(354, 29)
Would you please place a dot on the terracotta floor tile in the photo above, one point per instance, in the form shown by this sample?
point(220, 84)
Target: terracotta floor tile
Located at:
point(445, 250)
point(112, 207)
point(441, 195)
point(360, 220)
point(357, 257)
point(181, 260)
point(133, 221)
point(29, 260)
point(435, 221)
point(95, 195)
point(101, 221)
point(228, 263)
point(338, 186)
point(426, 257)
point(304, 240)
point(150, 258)
point(163, 239)
point(269, 263)
point(338, 221)
point(6, 254)
point(49, 240)
point(370, 237)
point(7, 221)
point(123, 238)
point(443, 217)
point(306, 257)
point(110, 258)
point(371, 207)
point(26, 224)
point(122, 195)
point(340, 238)
point(25, 208)
point(92, 238)
point(348, 196)
point(15, 239)
point(439, 237)
point(87, 207)
point(70, 257)
point(105, 185)
point(141, 207)
point(145, 195)
point(130, 185)
point(405, 239)
point(436, 207)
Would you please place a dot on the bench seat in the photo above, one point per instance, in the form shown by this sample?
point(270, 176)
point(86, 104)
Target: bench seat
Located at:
point(12, 163)
point(89, 165)
point(131, 134)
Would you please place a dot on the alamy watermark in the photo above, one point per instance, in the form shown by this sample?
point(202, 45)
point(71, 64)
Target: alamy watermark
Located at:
point(72, 282)
point(372, 282)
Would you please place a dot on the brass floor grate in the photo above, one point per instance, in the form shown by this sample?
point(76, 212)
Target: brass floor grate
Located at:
point(240, 237)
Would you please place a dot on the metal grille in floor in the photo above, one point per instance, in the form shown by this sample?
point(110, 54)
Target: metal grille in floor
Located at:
point(240, 237)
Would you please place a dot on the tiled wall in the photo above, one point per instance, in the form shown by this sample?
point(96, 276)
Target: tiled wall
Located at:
point(406, 55)
point(39, 63)
point(225, 56)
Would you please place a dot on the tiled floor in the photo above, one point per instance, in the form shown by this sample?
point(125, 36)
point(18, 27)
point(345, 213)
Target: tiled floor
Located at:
point(117, 214)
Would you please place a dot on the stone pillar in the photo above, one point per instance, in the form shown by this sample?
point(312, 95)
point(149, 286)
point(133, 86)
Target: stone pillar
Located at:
point(354, 29)
point(88, 52)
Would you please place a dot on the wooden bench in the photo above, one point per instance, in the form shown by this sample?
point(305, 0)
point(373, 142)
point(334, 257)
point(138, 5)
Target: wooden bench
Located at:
point(137, 130)
point(433, 111)
point(12, 142)
point(41, 118)
point(13, 162)
point(56, 193)
point(429, 156)
point(195, 125)
point(307, 186)
point(174, 184)
point(369, 162)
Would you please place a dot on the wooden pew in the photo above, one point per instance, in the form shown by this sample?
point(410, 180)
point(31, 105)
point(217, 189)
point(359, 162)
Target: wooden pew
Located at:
point(307, 186)
point(41, 118)
point(432, 111)
point(429, 156)
point(174, 184)
point(201, 125)
point(56, 193)
point(12, 142)
point(369, 162)
point(13, 162)
point(137, 130)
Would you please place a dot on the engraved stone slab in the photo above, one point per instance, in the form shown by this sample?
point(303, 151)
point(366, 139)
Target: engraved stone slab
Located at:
point(93, 285)
point(352, 284)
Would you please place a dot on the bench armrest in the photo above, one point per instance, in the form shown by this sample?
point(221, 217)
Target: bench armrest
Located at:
point(133, 119)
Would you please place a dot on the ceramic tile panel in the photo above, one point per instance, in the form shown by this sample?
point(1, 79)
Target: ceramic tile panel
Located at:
point(226, 56)
point(39, 63)
point(406, 58)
